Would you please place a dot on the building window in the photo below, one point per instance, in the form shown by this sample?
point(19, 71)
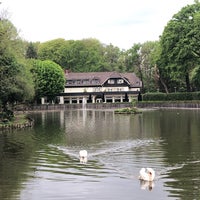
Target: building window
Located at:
point(111, 81)
point(120, 81)
point(69, 82)
point(85, 81)
point(78, 81)
point(97, 89)
point(119, 89)
point(95, 81)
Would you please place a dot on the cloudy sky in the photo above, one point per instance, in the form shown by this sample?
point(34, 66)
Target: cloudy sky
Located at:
point(120, 22)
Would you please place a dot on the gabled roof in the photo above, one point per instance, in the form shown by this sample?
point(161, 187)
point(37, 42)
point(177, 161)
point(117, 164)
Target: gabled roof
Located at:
point(102, 77)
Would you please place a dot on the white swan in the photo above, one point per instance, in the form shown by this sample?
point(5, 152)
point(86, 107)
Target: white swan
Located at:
point(147, 174)
point(83, 156)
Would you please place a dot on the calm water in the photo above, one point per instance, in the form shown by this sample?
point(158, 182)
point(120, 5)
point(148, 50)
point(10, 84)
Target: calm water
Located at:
point(43, 162)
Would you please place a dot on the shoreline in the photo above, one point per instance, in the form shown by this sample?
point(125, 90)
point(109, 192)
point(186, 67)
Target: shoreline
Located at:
point(20, 121)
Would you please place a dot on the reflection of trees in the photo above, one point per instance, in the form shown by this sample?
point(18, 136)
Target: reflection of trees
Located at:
point(15, 150)
point(50, 127)
point(180, 131)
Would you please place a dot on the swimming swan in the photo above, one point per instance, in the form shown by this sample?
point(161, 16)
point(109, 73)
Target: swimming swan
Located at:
point(147, 174)
point(83, 156)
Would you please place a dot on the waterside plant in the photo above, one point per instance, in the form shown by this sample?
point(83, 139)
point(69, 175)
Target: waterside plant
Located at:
point(132, 110)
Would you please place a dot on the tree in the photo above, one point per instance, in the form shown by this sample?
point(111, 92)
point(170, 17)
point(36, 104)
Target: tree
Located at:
point(53, 50)
point(132, 59)
point(31, 51)
point(147, 59)
point(180, 47)
point(49, 78)
point(195, 78)
point(15, 80)
point(141, 59)
point(84, 55)
point(112, 57)
point(79, 55)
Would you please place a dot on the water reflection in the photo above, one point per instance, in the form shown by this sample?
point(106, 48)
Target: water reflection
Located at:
point(147, 185)
point(83, 156)
point(44, 163)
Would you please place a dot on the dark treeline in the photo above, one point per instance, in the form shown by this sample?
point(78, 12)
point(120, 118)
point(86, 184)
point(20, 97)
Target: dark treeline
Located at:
point(170, 64)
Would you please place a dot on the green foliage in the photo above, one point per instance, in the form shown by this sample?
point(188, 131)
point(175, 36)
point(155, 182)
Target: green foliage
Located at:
point(195, 76)
point(31, 51)
point(77, 56)
point(49, 78)
point(180, 47)
point(141, 59)
point(178, 96)
point(161, 65)
point(15, 79)
point(54, 50)
point(85, 55)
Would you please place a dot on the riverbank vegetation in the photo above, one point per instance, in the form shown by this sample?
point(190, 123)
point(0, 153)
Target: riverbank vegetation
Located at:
point(169, 65)
point(19, 120)
point(131, 110)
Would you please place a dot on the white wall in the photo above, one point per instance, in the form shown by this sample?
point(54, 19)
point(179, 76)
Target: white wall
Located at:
point(98, 89)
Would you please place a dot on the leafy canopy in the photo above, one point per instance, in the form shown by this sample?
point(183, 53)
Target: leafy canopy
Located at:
point(49, 78)
point(180, 43)
point(15, 79)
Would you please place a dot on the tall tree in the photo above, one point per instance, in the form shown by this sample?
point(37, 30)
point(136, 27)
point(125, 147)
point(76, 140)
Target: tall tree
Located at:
point(141, 59)
point(15, 79)
point(111, 58)
point(180, 47)
point(147, 54)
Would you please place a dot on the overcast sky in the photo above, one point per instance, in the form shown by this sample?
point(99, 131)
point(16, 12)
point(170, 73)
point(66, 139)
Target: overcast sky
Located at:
point(120, 22)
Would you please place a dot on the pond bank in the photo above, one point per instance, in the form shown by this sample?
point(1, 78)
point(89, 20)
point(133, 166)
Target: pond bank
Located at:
point(188, 104)
point(20, 121)
point(80, 106)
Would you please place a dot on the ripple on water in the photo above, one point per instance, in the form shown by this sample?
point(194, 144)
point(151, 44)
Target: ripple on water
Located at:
point(110, 164)
point(121, 158)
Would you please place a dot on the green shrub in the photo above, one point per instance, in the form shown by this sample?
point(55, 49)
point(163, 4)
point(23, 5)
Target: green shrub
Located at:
point(179, 96)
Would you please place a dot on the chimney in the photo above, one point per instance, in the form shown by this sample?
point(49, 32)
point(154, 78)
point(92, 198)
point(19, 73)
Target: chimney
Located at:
point(67, 71)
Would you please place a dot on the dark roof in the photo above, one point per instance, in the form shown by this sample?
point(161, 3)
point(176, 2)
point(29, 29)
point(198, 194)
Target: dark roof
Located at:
point(102, 77)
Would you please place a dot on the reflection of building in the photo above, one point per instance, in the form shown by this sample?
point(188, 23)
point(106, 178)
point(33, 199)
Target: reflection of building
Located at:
point(96, 87)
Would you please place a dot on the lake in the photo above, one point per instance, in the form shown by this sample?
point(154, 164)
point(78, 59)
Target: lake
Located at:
point(43, 162)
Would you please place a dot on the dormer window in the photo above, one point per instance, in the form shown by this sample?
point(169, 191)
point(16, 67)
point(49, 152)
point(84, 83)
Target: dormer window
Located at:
point(111, 81)
point(120, 81)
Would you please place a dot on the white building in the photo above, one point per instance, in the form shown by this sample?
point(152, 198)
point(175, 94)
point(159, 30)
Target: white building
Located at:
point(96, 87)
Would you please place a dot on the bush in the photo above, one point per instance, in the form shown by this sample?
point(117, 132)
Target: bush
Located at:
point(179, 96)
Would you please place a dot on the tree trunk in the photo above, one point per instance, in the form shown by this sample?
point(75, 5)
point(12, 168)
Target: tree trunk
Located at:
point(158, 77)
point(164, 85)
point(187, 81)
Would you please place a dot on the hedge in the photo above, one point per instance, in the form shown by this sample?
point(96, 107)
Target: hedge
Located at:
point(178, 96)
